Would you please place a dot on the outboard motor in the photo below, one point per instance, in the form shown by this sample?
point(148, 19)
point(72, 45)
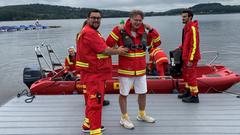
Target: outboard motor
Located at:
point(31, 74)
point(176, 62)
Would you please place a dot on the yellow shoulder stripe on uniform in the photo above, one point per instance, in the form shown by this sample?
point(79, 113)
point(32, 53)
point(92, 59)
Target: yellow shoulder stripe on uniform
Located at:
point(155, 40)
point(155, 51)
point(68, 60)
point(194, 43)
point(160, 59)
point(114, 36)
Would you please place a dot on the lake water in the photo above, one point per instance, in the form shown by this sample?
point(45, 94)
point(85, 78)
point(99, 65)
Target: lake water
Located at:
point(217, 33)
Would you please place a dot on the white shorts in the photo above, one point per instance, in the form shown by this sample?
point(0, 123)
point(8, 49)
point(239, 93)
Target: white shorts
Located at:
point(139, 83)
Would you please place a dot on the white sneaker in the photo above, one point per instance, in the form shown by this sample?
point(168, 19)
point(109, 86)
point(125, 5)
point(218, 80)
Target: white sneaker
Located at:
point(127, 123)
point(146, 118)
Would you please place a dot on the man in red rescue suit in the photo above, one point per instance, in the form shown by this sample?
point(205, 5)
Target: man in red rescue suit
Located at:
point(70, 60)
point(70, 72)
point(132, 66)
point(190, 56)
point(95, 66)
point(158, 61)
point(105, 102)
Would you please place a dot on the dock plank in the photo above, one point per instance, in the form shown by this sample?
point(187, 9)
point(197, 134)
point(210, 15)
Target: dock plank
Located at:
point(216, 114)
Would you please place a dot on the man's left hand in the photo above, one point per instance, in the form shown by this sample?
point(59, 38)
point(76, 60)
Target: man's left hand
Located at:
point(148, 27)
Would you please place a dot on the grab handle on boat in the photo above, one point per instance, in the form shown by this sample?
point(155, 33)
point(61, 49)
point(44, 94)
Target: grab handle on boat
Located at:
point(214, 58)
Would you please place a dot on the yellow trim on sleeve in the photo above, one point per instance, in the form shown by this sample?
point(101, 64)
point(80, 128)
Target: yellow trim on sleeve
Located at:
point(114, 36)
point(82, 64)
point(160, 59)
point(194, 43)
point(102, 56)
point(155, 40)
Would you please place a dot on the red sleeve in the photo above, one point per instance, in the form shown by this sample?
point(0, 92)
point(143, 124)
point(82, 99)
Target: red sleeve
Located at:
point(193, 43)
point(160, 69)
point(95, 41)
point(66, 62)
point(113, 37)
point(150, 62)
point(161, 58)
point(154, 38)
point(187, 44)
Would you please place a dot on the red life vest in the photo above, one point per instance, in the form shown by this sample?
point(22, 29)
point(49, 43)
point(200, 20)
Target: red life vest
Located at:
point(70, 63)
point(134, 63)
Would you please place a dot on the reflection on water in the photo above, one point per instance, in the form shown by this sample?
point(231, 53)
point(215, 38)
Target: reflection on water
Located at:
point(218, 33)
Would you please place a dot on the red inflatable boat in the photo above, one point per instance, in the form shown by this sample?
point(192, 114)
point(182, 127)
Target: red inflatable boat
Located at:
point(212, 78)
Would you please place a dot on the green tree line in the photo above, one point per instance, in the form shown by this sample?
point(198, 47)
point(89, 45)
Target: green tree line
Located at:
point(42, 11)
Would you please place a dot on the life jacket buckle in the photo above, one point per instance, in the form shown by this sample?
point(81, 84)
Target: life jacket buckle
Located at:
point(133, 47)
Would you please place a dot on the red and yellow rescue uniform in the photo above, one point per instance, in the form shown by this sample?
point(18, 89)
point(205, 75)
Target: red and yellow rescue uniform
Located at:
point(134, 63)
point(158, 59)
point(70, 63)
point(94, 68)
point(190, 53)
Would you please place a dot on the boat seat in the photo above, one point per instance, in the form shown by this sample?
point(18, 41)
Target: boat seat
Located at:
point(69, 76)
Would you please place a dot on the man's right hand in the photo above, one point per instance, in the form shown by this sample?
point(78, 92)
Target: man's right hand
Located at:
point(116, 51)
point(148, 27)
point(122, 50)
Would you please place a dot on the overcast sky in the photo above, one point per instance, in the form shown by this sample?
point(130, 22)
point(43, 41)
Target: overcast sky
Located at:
point(127, 5)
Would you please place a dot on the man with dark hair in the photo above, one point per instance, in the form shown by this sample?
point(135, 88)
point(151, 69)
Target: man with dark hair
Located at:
point(190, 56)
point(105, 102)
point(95, 66)
point(132, 66)
point(189, 12)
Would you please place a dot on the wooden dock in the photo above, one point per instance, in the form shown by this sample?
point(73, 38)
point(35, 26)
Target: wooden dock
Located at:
point(216, 114)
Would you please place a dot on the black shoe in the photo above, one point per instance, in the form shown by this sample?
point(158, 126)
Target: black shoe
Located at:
point(185, 94)
point(106, 102)
point(191, 99)
point(87, 130)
